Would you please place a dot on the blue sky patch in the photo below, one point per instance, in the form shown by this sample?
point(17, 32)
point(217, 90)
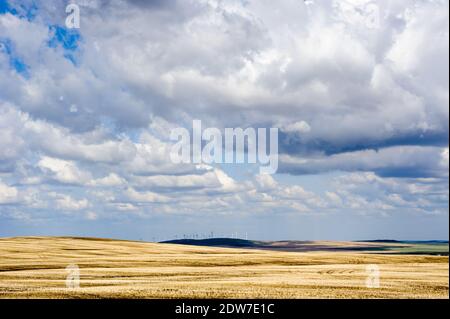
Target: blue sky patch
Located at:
point(22, 11)
point(4, 6)
point(67, 39)
point(15, 61)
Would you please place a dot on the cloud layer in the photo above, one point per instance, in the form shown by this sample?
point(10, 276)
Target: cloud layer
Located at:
point(359, 90)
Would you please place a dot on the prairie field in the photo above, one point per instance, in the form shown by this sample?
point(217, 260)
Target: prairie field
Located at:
point(35, 267)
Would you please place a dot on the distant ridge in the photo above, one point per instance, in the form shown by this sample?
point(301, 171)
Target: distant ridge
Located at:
point(223, 242)
point(386, 246)
point(381, 241)
point(392, 241)
point(429, 242)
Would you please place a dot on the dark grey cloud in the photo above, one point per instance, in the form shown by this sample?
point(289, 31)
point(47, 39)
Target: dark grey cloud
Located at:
point(398, 161)
point(152, 4)
point(295, 145)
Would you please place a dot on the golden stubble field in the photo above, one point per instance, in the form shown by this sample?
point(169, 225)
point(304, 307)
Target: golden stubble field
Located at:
point(35, 267)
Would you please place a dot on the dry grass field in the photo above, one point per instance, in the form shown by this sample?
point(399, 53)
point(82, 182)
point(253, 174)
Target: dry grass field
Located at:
point(36, 268)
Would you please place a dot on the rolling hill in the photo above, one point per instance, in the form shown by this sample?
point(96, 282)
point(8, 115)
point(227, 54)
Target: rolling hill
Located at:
point(37, 267)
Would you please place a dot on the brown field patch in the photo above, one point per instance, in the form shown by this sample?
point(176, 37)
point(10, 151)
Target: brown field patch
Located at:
point(34, 267)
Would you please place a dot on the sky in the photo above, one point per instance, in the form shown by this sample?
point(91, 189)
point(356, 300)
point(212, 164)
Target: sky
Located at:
point(359, 90)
